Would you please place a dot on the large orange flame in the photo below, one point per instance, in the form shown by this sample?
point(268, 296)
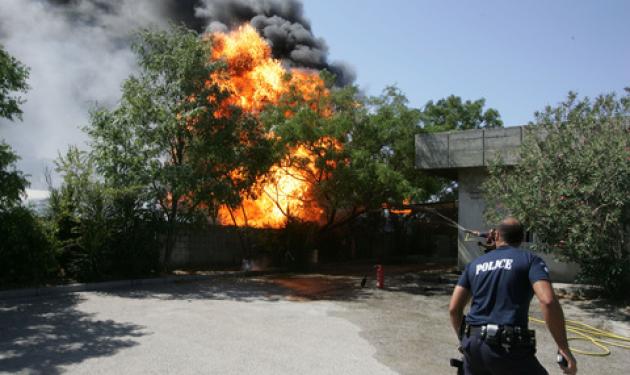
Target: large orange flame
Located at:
point(255, 79)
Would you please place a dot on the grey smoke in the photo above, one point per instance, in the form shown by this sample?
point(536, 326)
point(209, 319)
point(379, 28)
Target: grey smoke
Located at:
point(95, 11)
point(78, 52)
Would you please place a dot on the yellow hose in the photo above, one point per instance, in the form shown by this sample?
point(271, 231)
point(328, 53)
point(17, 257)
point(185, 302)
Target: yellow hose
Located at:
point(598, 337)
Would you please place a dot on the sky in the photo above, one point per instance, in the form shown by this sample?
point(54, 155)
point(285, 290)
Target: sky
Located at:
point(518, 55)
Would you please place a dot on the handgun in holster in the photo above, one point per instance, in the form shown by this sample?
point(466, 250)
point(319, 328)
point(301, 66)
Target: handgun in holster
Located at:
point(491, 334)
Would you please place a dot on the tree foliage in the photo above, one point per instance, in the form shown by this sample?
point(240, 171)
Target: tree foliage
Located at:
point(100, 232)
point(26, 252)
point(452, 113)
point(13, 183)
point(26, 256)
point(387, 143)
point(318, 124)
point(363, 148)
point(571, 186)
point(173, 139)
point(13, 76)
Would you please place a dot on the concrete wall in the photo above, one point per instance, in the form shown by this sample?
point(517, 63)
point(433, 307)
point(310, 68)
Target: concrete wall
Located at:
point(432, 151)
point(470, 213)
point(468, 149)
point(503, 143)
point(216, 246)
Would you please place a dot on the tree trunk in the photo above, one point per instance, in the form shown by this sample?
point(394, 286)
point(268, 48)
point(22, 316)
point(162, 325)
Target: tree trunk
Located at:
point(171, 235)
point(239, 232)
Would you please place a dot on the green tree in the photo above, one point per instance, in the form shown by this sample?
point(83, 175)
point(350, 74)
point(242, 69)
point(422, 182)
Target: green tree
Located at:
point(385, 145)
point(26, 256)
point(452, 113)
point(101, 232)
point(13, 183)
point(13, 76)
point(320, 125)
point(571, 186)
point(363, 148)
point(72, 206)
point(173, 139)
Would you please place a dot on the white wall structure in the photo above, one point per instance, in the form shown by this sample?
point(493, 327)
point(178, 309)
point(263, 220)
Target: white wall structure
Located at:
point(465, 156)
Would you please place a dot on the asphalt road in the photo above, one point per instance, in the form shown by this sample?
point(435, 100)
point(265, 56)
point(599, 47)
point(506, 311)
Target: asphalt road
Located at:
point(264, 325)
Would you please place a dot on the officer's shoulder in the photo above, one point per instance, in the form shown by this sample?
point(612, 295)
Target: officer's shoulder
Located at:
point(526, 253)
point(483, 257)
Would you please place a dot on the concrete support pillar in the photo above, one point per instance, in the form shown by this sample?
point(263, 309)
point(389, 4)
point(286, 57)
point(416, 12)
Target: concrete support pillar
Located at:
point(470, 211)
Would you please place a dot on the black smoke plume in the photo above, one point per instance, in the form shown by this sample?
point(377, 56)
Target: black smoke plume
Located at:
point(90, 11)
point(281, 22)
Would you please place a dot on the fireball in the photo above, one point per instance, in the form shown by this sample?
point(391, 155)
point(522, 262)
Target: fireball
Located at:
point(255, 80)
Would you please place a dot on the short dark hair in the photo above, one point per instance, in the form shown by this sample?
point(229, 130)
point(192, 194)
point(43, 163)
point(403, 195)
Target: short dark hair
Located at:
point(511, 231)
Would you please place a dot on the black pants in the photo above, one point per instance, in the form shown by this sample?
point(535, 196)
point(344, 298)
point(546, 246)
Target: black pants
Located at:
point(483, 359)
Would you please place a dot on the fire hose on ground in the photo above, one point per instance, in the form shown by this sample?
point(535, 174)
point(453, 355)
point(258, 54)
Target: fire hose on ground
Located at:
point(599, 338)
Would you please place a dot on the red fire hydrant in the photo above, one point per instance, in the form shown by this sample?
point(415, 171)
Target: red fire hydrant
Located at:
point(380, 277)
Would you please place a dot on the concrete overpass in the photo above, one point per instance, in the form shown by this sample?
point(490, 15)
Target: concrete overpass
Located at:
point(464, 156)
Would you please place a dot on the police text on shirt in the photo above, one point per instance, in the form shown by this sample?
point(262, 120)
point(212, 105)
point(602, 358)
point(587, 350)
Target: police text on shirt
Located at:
point(493, 265)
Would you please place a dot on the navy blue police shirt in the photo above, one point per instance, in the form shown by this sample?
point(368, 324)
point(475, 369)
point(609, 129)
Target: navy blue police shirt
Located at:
point(501, 286)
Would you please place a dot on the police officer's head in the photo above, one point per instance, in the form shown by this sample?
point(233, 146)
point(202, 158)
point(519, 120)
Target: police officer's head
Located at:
point(510, 231)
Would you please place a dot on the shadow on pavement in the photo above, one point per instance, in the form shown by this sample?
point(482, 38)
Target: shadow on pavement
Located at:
point(423, 289)
point(293, 287)
point(227, 289)
point(39, 336)
point(264, 288)
point(611, 310)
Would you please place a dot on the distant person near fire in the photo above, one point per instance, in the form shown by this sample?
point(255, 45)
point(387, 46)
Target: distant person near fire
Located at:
point(494, 337)
point(490, 236)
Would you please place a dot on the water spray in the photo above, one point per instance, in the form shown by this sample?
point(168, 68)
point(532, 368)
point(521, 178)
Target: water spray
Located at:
point(450, 221)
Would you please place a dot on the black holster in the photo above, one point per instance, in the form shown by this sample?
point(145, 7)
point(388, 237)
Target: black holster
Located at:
point(462, 329)
point(459, 364)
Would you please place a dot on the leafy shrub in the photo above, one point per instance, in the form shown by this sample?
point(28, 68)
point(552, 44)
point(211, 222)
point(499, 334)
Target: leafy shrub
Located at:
point(571, 187)
point(26, 255)
point(101, 233)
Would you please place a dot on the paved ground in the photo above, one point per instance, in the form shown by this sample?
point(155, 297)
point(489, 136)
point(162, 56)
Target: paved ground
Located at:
point(301, 324)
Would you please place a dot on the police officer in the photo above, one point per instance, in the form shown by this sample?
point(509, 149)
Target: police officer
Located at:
point(490, 237)
point(495, 338)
